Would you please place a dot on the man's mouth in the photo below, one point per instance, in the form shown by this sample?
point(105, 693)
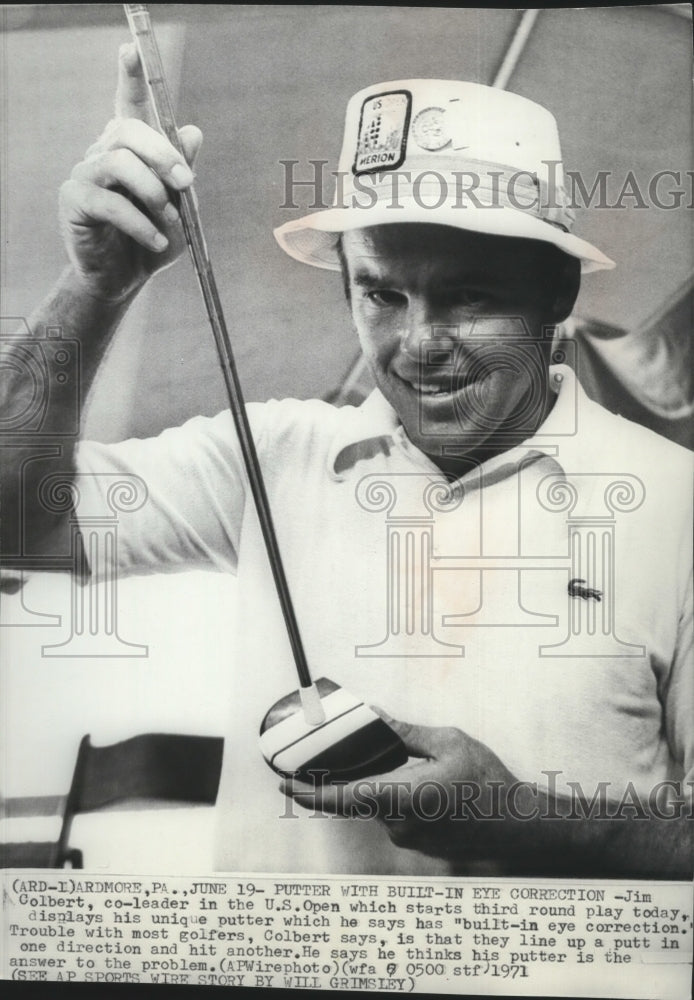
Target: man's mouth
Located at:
point(426, 389)
point(442, 388)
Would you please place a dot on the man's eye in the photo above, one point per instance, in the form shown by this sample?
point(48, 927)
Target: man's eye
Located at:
point(385, 297)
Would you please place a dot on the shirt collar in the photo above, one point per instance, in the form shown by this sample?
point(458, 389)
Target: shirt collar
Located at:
point(375, 422)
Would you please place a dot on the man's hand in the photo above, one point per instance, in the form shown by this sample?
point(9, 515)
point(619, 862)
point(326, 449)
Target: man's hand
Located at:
point(117, 217)
point(119, 226)
point(456, 800)
point(436, 803)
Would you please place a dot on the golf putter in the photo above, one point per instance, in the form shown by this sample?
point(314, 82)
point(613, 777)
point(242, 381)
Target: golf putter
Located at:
point(320, 727)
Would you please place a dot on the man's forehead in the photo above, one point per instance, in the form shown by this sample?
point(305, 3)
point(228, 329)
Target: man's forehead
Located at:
point(450, 251)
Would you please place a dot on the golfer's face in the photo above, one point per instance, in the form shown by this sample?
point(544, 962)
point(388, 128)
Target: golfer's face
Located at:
point(453, 326)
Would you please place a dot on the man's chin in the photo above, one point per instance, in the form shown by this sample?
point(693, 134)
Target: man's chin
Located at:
point(451, 441)
point(440, 431)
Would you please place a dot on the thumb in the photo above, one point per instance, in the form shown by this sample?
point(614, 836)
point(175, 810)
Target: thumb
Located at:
point(191, 141)
point(132, 97)
point(420, 741)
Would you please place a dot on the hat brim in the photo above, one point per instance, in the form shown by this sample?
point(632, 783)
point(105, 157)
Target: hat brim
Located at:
point(313, 238)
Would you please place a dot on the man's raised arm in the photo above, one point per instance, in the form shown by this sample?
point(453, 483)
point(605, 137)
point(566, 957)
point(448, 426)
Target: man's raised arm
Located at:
point(120, 227)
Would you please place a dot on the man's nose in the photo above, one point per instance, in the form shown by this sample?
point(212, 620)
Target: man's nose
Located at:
point(426, 322)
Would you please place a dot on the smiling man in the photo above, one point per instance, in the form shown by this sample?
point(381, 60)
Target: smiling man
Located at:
point(465, 549)
point(491, 300)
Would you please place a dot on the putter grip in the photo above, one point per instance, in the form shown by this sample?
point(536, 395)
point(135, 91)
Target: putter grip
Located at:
point(353, 742)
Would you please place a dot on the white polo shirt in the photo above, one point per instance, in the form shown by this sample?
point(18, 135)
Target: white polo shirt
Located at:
point(542, 603)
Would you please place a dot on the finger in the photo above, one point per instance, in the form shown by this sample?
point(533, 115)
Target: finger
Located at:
point(121, 168)
point(366, 798)
point(85, 204)
point(189, 135)
point(151, 147)
point(324, 797)
point(132, 96)
point(191, 140)
point(293, 787)
point(396, 792)
point(420, 741)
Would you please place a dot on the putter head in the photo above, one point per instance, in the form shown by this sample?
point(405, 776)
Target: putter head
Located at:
point(353, 742)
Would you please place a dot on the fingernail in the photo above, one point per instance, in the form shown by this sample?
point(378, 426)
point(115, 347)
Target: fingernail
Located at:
point(160, 242)
point(170, 213)
point(181, 175)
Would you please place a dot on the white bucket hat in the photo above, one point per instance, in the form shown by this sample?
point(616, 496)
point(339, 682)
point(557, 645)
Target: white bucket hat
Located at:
point(443, 151)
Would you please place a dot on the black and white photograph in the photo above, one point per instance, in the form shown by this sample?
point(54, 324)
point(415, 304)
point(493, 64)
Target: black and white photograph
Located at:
point(347, 422)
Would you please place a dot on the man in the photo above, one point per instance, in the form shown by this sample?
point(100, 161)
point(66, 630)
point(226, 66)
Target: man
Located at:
point(477, 509)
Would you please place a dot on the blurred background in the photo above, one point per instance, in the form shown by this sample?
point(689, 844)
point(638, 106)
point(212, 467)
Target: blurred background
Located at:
point(266, 84)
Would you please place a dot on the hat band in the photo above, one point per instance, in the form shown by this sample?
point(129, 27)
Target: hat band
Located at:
point(472, 184)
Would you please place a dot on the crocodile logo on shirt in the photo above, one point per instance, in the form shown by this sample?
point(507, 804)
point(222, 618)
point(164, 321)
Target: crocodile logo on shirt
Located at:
point(576, 589)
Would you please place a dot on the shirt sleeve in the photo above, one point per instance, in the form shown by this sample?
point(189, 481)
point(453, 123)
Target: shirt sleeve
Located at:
point(679, 699)
point(176, 501)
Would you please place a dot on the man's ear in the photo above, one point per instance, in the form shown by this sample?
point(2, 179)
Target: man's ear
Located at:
point(566, 290)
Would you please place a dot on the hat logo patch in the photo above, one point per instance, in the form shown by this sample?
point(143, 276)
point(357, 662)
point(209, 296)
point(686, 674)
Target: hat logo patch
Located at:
point(429, 129)
point(382, 133)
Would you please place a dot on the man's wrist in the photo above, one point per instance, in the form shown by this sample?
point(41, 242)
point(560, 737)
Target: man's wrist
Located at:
point(101, 295)
point(533, 831)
